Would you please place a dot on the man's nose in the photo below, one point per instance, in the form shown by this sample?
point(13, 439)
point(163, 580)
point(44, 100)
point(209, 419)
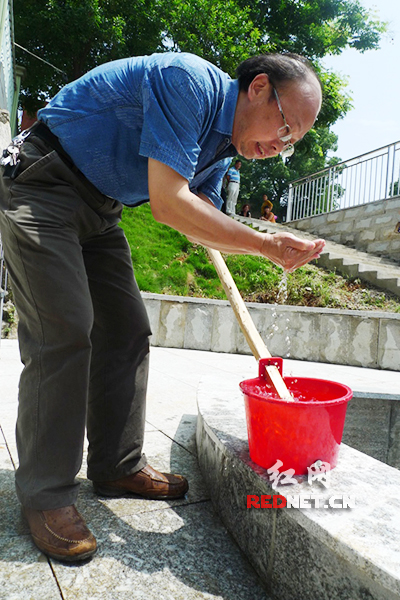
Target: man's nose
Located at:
point(276, 147)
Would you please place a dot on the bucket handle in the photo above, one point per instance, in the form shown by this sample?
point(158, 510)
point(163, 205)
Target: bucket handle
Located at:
point(275, 361)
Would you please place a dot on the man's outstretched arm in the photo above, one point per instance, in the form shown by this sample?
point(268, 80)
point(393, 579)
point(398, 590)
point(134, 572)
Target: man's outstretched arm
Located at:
point(173, 204)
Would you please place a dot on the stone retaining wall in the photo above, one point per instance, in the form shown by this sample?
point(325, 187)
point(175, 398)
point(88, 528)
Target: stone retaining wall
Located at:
point(356, 338)
point(373, 426)
point(369, 227)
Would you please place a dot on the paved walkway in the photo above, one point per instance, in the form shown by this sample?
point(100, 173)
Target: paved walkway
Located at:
point(151, 550)
point(147, 549)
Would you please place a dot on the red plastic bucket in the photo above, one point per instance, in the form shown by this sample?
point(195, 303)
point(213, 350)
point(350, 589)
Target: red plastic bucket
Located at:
point(297, 433)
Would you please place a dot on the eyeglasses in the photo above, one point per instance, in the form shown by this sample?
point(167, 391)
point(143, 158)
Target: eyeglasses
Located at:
point(284, 132)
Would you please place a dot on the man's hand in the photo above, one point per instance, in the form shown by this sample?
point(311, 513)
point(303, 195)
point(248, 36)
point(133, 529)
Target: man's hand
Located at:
point(289, 251)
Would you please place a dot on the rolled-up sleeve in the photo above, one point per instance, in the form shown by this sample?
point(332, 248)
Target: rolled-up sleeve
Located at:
point(211, 186)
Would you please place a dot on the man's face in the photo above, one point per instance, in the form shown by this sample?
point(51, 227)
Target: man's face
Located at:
point(257, 117)
point(238, 164)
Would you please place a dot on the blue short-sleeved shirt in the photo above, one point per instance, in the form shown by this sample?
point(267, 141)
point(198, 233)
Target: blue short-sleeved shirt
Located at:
point(175, 107)
point(234, 175)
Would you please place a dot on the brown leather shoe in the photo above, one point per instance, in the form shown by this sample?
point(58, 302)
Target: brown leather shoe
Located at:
point(147, 483)
point(61, 533)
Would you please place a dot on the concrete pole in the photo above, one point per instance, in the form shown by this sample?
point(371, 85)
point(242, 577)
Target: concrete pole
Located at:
point(5, 129)
point(5, 137)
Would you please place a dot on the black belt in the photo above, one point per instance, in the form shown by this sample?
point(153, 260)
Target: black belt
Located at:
point(41, 131)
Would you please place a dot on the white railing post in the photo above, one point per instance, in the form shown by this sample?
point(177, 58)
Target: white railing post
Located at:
point(390, 192)
point(289, 204)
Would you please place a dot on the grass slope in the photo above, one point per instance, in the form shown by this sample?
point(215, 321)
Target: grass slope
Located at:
point(165, 262)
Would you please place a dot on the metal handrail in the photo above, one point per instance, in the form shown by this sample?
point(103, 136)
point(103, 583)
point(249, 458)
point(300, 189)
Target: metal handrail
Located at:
point(366, 178)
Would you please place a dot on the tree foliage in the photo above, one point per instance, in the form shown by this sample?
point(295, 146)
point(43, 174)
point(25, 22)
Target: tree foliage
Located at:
point(76, 35)
point(315, 28)
point(219, 30)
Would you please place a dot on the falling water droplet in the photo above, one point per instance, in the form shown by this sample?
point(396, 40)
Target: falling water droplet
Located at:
point(281, 299)
point(282, 289)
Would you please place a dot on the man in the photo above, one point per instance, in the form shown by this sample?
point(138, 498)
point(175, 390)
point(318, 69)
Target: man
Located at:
point(232, 190)
point(164, 128)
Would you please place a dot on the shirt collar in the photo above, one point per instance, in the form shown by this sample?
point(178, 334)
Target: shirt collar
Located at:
point(224, 119)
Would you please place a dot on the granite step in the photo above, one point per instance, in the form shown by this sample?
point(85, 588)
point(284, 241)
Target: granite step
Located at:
point(375, 270)
point(304, 551)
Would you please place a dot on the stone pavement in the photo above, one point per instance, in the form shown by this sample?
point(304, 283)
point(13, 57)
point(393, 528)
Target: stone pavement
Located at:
point(378, 271)
point(147, 549)
point(153, 550)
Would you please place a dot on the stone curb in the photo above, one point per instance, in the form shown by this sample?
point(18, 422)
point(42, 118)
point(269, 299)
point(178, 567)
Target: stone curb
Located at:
point(356, 338)
point(301, 552)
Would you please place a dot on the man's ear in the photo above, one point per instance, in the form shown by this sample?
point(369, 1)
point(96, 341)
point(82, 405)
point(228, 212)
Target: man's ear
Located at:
point(259, 85)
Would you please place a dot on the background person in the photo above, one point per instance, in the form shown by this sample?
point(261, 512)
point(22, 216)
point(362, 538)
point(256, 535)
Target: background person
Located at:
point(232, 189)
point(245, 212)
point(267, 214)
point(223, 193)
point(264, 203)
point(162, 128)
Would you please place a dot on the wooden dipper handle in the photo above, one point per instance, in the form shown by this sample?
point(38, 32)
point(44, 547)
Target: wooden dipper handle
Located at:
point(247, 326)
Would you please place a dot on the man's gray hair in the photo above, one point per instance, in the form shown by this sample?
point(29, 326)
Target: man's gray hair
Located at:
point(280, 68)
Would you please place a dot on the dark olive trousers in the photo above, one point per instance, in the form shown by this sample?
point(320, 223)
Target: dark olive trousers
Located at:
point(83, 330)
